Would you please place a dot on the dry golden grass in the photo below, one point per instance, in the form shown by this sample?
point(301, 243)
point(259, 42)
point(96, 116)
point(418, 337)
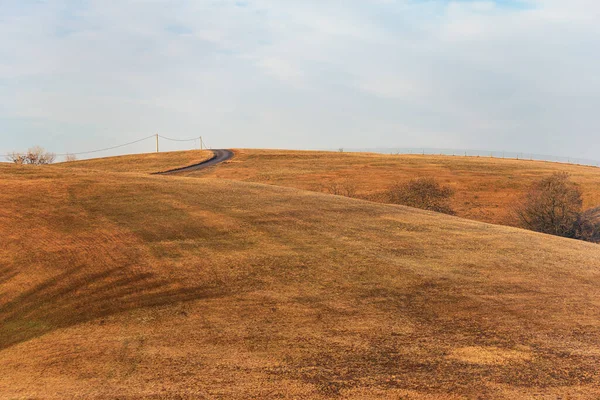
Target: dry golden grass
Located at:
point(142, 163)
point(132, 286)
point(486, 188)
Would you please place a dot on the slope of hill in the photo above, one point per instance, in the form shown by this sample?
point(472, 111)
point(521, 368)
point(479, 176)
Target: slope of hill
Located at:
point(142, 163)
point(132, 286)
point(486, 188)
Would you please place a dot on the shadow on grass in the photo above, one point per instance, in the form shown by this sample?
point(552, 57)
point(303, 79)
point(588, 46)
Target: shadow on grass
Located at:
point(77, 296)
point(7, 274)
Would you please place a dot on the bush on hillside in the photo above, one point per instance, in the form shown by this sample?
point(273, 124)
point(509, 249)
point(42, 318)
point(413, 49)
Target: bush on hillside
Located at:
point(70, 158)
point(17, 158)
point(34, 156)
point(425, 193)
point(553, 205)
point(345, 188)
point(589, 227)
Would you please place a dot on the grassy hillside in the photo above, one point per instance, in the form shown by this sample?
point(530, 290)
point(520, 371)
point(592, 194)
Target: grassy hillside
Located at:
point(486, 188)
point(132, 286)
point(143, 163)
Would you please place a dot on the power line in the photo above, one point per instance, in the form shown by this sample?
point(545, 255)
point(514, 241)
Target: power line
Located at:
point(203, 144)
point(106, 149)
point(117, 146)
point(178, 140)
point(199, 139)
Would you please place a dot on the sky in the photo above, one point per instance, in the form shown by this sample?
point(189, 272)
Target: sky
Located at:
point(515, 75)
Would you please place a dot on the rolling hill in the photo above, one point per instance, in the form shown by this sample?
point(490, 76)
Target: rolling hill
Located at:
point(142, 163)
point(486, 188)
point(132, 286)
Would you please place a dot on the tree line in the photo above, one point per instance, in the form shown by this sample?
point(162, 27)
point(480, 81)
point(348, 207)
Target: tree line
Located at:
point(36, 156)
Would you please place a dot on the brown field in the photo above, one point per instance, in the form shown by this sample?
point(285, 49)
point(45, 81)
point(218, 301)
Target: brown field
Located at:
point(135, 286)
point(142, 163)
point(486, 188)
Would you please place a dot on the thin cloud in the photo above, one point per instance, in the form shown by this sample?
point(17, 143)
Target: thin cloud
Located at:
point(515, 75)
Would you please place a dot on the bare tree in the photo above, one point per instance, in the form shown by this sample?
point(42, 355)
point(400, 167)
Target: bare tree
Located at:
point(70, 158)
point(345, 188)
point(38, 156)
point(34, 156)
point(589, 225)
point(425, 193)
point(553, 206)
point(17, 158)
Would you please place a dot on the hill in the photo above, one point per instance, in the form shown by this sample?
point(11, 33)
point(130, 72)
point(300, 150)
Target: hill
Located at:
point(133, 286)
point(142, 163)
point(486, 188)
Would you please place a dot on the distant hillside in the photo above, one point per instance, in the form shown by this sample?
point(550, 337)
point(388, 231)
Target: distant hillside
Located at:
point(486, 188)
point(142, 163)
point(136, 286)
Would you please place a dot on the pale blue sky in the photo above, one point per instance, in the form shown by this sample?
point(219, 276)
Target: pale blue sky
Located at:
point(504, 75)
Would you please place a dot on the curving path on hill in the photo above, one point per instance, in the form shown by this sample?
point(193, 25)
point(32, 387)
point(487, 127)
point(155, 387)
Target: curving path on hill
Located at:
point(219, 156)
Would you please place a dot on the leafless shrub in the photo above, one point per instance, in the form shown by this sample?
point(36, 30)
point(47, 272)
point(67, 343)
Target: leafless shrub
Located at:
point(553, 206)
point(34, 156)
point(425, 193)
point(588, 228)
point(38, 156)
point(345, 188)
point(70, 158)
point(17, 158)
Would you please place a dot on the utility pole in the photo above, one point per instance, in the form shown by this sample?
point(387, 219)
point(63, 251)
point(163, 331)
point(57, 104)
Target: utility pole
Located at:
point(157, 142)
point(201, 144)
